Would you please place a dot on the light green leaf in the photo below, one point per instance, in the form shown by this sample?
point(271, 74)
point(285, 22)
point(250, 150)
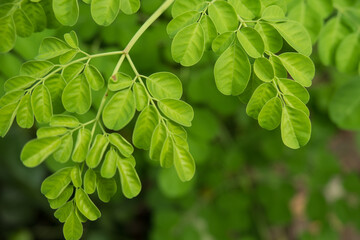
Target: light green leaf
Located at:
point(7, 34)
point(119, 111)
point(67, 57)
point(264, 69)
point(130, 182)
point(23, 25)
point(348, 54)
point(36, 14)
point(124, 147)
point(260, 97)
point(188, 45)
point(248, 9)
point(66, 11)
point(52, 47)
point(273, 41)
point(63, 154)
point(76, 176)
point(300, 67)
point(86, 206)
point(232, 71)
point(130, 6)
point(120, 82)
point(290, 87)
point(296, 103)
point(281, 3)
point(157, 142)
point(141, 97)
point(164, 85)
point(295, 128)
point(222, 42)
point(71, 39)
point(108, 168)
point(64, 212)
point(56, 183)
point(144, 127)
point(7, 114)
point(279, 69)
point(64, 121)
point(36, 69)
point(90, 181)
point(224, 16)
point(184, 163)
point(97, 151)
point(270, 115)
point(25, 115)
point(72, 71)
point(106, 188)
point(46, 132)
point(56, 85)
point(41, 104)
point(251, 41)
point(82, 145)
point(183, 6)
point(167, 152)
point(76, 96)
point(62, 199)
point(177, 110)
point(273, 13)
point(11, 97)
point(181, 21)
point(94, 77)
point(210, 31)
point(73, 228)
point(323, 7)
point(104, 12)
point(19, 83)
point(296, 35)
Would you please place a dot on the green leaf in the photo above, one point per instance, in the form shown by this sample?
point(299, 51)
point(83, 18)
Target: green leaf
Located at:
point(188, 45)
point(296, 35)
point(72, 71)
point(167, 152)
point(64, 121)
point(164, 85)
point(177, 110)
point(76, 97)
point(11, 97)
point(223, 16)
point(222, 42)
point(183, 6)
point(248, 9)
point(232, 71)
point(63, 212)
point(7, 114)
point(23, 25)
point(37, 150)
point(124, 147)
point(46, 132)
point(251, 41)
point(279, 69)
point(181, 21)
point(130, 6)
point(348, 54)
point(296, 103)
point(63, 154)
point(67, 57)
point(76, 176)
point(260, 97)
point(97, 151)
point(104, 12)
point(119, 111)
point(108, 168)
point(184, 163)
point(36, 69)
point(71, 39)
point(130, 182)
point(322, 7)
point(273, 13)
point(295, 128)
point(141, 97)
point(264, 69)
point(52, 47)
point(86, 206)
point(210, 31)
point(157, 141)
point(66, 11)
point(19, 83)
point(82, 145)
point(300, 67)
point(56, 85)
point(270, 115)
point(344, 107)
point(25, 115)
point(73, 228)
point(36, 14)
point(94, 77)
point(106, 188)
point(90, 181)
point(280, 3)
point(7, 34)
point(291, 87)
point(273, 41)
point(144, 127)
point(56, 183)
point(41, 104)
point(62, 199)
point(119, 82)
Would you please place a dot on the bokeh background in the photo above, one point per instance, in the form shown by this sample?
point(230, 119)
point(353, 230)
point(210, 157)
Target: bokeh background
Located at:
point(248, 185)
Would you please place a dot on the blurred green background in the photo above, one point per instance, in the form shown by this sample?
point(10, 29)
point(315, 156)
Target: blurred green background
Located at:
point(248, 186)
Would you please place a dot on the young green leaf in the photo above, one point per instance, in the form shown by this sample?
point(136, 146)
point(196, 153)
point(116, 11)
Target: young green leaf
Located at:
point(36, 69)
point(41, 104)
point(130, 6)
point(71, 39)
point(76, 177)
point(67, 121)
point(52, 47)
point(130, 182)
point(273, 13)
point(279, 69)
point(7, 34)
point(90, 181)
point(18, 83)
point(106, 188)
point(77, 96)
point(86, 206)
point(23, 25)
point(177, 110)
point(119, 111)
point(222, 42)
point(164, 85)
point(141, 96)
point(82, 145)
point(66, 11)
point(7, 114)
point(25, 115)
point(291, 87)
point(124, 147)
point(108, 168)
point(73, 228)
point(46, 132)
point(181, 21)
point(104, 12)
point(144, 127)
point(183, 6)
point(273, 41)
point(184, 163)
point(251, 41)
point(264, 69)
point(11, 97)
point(167, 152)
point(270, 115)
point(64, 212)
point(62, 199)
point(223, 16)
point(97, 151)
point(210, 31)
point(248, 9)
point(157, 141)
point(72, 71)
point(36, 14)
point(63, 154)
point(348, 53)
point(94, 77)
point(56, 183)
point(260, 97)
point(296, 103)
point(120, 82)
